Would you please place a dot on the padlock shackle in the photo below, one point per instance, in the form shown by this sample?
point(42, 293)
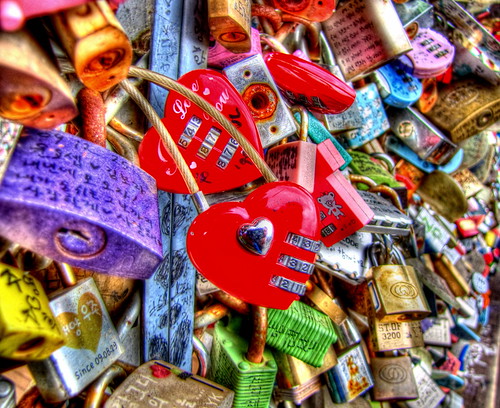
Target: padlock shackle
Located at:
point(232, 302)
point(257, 345)
point(95, 392)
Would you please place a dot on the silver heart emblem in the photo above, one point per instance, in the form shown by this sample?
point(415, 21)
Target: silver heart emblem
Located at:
point(256, 237)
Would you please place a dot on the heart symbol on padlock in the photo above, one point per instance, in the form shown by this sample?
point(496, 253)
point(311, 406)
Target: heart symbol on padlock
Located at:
point(240, 246)
point(83, 329)
point(216, 160)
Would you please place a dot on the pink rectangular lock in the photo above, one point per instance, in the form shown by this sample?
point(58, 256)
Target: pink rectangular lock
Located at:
point(220, 57)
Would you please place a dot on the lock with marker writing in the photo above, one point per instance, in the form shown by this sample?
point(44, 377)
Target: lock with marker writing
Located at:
point(28, 329)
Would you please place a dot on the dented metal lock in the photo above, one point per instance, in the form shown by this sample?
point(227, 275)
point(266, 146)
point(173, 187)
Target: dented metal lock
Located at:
point(28, 329)
point(32, 91)
point(393, 379)
point(161, 384)
point(92, 343)
point(365, 34)
point(312, 330)
point(254, 82)
point(96, 44)
point(251, 377)
point(229, 24)
point(75, 202)
point(351, 377)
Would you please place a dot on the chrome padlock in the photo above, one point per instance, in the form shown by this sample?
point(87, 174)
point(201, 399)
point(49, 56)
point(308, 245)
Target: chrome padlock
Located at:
point(393, 379)
point(76, 202)
point(161, 384)
point(249, 371)
point(351, 377)
point(297, 380)
point(92, 343)
point(465, 108)
point(32, 91)
point(229, 23)
point(415, 14)
point(311, 330)
point(364, 35)
point(374, 118)
point(7, 393)
point(28, 329)
point(395, 291)
point(252, 79)
point(95, 42)
point(421, 136)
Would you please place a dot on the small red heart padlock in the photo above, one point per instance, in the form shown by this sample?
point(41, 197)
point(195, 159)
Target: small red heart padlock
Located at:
point(216, 160)
point(261, 250)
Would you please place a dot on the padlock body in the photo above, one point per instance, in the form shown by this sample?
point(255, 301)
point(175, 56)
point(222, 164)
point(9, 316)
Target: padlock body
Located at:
point(220, 57)
point(393, 379)
point(92, 343)
point(396, 294)
point(394, 335)
point(28, 329)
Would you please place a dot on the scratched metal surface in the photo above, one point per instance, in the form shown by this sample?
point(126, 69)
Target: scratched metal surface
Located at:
point(169, 294)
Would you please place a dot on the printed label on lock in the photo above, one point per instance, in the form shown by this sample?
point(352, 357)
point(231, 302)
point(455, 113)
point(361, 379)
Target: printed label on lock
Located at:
point(395, 335)
point(92, 343)
point(254, 82)
point(437, 332)
point(429, 393)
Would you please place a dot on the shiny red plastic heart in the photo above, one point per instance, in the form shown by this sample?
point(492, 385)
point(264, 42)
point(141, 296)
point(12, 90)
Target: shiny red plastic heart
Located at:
point(306, 83)
point(214, 247)
point(214, 157)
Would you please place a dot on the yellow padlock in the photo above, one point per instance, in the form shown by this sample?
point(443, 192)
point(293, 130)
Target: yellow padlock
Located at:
point(28, 329)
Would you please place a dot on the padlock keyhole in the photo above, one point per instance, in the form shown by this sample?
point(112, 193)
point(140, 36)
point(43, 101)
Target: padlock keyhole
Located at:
point(81, 240)
point(29, 346)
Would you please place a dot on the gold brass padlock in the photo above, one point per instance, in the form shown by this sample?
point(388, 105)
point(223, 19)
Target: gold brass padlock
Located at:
point(28, 329)
point(456, 282)
point(393, 379)
point(394, 335)
point(229, 23)
point(95, 43)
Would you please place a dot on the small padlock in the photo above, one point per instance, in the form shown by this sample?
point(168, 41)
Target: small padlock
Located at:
point(229, 23)
point(365, 35)
point(302, 332)
point(456, 282)
point(95, 43)
point(465, 108)
point(232, 367)
point(429, 393)
point(297, 380)
point(438, 333)
point(28, 328)
point(32, 91)
point(351, 377)
point(220, 57)
point(374, 118)
point(252, 79)
point(76, 202)
point(368, 165)
point(92, 343)
point(393, 379)
point(161, 384)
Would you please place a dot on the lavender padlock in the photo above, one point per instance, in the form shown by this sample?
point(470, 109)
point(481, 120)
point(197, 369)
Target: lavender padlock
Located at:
point(75, 202)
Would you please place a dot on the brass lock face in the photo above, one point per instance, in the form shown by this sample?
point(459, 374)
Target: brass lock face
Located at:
point(395, 335)
point(396, 294)
point(393, 379)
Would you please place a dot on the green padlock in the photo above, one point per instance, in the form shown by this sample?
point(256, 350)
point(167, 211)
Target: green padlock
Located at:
point(301, 331)
point(232, 367)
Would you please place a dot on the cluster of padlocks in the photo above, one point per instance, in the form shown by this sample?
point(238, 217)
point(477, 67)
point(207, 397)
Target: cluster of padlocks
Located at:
point(249, 204)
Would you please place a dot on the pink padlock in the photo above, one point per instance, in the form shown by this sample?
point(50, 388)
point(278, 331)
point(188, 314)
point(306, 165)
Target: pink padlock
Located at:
point(220, 57)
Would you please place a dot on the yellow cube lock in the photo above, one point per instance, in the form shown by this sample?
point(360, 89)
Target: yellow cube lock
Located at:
point(28, 329)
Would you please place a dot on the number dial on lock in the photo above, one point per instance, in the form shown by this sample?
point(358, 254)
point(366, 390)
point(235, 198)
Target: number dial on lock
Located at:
point(216, 160)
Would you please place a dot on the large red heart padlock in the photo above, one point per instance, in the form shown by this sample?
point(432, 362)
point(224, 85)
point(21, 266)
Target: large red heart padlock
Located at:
point(261, 250)
point(216, 160)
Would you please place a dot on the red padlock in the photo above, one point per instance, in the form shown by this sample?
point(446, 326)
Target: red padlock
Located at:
point(309, 9)
point(214, 157)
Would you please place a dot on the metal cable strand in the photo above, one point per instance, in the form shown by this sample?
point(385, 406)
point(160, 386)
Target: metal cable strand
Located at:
point(169, 143)
point(168, 83)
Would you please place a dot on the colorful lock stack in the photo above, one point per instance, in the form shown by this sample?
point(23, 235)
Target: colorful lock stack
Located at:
point(301, 201)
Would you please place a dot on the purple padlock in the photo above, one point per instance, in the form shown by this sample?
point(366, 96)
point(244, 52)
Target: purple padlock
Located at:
point(431, 56)
point(76, 202)
point(220, 57)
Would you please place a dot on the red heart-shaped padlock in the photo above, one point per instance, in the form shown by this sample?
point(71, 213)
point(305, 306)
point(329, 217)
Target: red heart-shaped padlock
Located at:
point(216, 160)
point(261, 250)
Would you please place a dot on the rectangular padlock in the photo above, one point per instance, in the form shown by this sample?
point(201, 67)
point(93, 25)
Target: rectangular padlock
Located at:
point(229, 23)
point(429, 393)
point(76, 202)
point(28, 329)
point(438, 333)
point(351, 377)
point(95, 42)
point(220, 57)
point(365, 34)
point(161, 384)
point(421, 136)
point(393, 379)
point(374, 118)
point(254, 82)
point(396, 294)
point(92, 343)
point(456, 282)
point(301, 331)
